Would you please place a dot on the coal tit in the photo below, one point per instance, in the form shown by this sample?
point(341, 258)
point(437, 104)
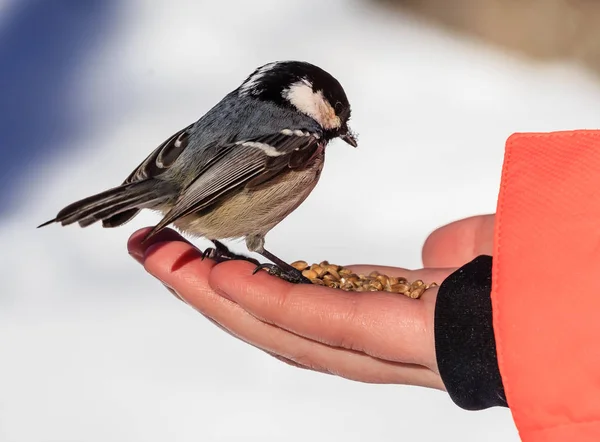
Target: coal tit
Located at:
point(240, 169)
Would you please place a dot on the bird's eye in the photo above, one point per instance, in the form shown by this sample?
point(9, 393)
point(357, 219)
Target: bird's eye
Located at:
point(341, 111)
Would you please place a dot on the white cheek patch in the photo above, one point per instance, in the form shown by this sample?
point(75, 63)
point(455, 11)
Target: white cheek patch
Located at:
point(311, 103)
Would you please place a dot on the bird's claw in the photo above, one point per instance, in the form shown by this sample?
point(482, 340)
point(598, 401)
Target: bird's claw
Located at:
point(219, 255)
point(294, 276)
point(209, 253)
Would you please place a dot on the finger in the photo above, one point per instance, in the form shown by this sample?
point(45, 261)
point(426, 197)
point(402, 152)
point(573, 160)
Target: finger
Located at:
point(458, 243)
point(304, 353)
point(171, 261)
point(190, 280)
point(136, 246)
point(380, 324)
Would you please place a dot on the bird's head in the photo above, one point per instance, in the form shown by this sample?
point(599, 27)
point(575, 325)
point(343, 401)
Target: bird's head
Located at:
point(305, 88)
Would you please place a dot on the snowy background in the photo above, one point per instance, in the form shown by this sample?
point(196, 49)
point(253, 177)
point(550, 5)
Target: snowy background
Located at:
point(93, 349)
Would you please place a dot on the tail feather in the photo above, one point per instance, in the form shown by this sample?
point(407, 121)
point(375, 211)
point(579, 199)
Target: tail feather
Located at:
point(120, 218)
point(92, 217)
point(106, 207)
point(109, 204)
point(113, 210)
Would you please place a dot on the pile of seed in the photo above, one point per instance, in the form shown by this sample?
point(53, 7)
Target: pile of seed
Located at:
point(338, 277)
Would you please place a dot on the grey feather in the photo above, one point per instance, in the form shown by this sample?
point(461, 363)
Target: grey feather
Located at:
point(241, 164)
point(112, 202)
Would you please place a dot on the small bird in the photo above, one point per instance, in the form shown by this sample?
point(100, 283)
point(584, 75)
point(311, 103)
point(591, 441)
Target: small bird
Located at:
point(240, 169)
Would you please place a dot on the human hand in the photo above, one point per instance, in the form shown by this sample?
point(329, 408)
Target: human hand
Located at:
point(375, 337)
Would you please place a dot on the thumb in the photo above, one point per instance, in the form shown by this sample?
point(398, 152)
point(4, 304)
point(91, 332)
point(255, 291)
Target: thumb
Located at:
point(459, 242)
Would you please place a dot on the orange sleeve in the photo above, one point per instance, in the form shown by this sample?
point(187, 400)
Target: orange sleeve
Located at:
point(546, 285)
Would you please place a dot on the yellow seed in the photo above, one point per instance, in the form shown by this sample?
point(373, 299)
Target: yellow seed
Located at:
point(401, 288)
point(354, 280)
point(320, 271)
point(334, 270)
point(300, 265)
point(377, 285)
point(416, 293)
point(383, 279)
point(338, 277)
point(310, 274)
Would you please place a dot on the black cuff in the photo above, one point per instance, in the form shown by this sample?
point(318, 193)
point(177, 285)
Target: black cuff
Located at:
point(464, 337)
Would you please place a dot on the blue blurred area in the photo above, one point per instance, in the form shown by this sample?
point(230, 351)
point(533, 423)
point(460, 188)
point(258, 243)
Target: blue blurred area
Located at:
point(42, 44)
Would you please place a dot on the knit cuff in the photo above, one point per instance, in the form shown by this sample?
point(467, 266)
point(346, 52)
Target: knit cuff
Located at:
point(464, 337)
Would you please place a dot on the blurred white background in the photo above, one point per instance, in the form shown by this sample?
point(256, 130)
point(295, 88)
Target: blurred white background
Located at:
point(93, 349)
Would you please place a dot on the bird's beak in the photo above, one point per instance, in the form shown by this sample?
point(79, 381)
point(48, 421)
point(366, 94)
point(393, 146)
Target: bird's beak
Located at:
point(349, 138)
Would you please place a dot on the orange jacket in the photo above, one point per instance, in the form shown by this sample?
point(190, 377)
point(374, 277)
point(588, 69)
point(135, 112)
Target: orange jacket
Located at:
point(546, 285)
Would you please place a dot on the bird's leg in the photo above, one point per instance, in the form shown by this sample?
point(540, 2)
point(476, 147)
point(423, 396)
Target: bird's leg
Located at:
point(221, 253)
point(281, 269)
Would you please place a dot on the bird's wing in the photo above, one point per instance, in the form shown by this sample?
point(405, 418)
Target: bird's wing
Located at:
point(249, 163)
point(162, 157)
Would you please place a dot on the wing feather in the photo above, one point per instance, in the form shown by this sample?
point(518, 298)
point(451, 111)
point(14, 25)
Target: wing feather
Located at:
point(162, 157)
point(247, 163)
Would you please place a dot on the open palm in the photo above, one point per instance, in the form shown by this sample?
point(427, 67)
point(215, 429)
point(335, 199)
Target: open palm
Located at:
point(375, 337)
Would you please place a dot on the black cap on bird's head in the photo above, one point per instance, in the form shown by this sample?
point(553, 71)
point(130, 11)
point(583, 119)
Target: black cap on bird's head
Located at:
point(306, 88)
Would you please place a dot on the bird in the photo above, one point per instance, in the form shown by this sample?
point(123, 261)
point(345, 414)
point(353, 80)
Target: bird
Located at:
point(240, 169)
